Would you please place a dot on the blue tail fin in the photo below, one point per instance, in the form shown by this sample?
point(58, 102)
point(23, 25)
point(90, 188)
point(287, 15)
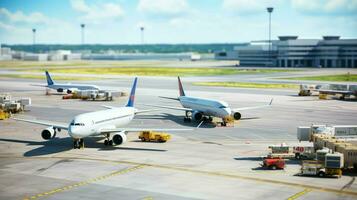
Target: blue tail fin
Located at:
point(132, 94)
point(49, 79)
point(182, 93)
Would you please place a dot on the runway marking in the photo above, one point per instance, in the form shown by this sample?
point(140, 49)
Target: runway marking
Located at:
point(299, 194)
point(220, 174)
point(211, 173)
point(82, 183)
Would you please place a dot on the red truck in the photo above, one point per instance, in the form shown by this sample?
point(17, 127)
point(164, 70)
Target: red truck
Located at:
point(274, 163)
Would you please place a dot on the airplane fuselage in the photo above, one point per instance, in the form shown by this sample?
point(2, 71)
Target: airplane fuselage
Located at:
point(91, 124)
point(207, 107)
point(71, 86)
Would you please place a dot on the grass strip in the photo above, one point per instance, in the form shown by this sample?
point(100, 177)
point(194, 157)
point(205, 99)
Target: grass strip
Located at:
point(160, 71)
point(60, 78)
point(248, 85)
point(339, 77)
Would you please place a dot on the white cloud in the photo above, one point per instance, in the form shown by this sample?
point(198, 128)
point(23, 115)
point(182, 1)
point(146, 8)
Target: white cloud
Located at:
point(326, 6)
point(163, 7)
point(248, 6)
point(98, 13)
point(20, 17)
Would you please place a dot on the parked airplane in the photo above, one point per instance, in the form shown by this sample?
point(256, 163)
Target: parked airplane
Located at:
point(199, 108)
point(68, 87)
point(104, 122)
point(344, 90)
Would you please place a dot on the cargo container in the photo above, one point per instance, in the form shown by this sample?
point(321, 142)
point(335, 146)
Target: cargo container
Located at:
point(24, 101)
point(347, 147)
point(303, 133)
point(349, 152)
point(345, 130)
point(321, 154)
point(334, 160)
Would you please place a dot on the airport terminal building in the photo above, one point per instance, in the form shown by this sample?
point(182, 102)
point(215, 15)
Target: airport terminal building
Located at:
point(289, 51)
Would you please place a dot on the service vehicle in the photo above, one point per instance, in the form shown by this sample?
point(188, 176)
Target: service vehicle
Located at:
point(330, 165)
point(151, 136)
point(273, 163)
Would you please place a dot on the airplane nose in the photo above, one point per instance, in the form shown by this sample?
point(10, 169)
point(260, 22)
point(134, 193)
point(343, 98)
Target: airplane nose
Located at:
point(74, 132)
point(228, 111)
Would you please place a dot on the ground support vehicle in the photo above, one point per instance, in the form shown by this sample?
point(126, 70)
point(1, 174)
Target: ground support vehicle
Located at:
point(316, 168)
point(273, 163)
point(151, 136)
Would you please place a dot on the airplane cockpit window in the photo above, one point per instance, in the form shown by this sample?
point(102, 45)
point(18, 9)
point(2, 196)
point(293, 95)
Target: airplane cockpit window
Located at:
point(222, 107)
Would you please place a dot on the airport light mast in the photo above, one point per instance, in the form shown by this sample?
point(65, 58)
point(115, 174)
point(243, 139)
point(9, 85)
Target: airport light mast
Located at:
point(33, 36)
point(82, 33)
point(142, 34)
point(270, 10)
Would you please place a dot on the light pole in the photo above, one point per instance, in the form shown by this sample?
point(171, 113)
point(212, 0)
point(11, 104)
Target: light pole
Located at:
point(270, 10)
point(142, 34)
point(82, 32)
point(33, 36)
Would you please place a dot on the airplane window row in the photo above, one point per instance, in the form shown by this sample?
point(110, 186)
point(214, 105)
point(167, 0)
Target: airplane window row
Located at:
point(77, 124)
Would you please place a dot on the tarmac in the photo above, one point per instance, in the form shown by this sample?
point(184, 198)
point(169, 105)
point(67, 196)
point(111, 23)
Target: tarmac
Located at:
point(205, 163)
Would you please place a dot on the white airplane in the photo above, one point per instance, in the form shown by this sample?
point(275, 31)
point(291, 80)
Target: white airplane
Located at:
point(68, 87)
point(199, 108)
point(105, 122)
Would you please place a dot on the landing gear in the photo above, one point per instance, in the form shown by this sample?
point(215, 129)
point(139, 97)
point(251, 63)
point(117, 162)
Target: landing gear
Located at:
point(224, 123)
point(78, 143)
point(108, 141)
point(188, 117)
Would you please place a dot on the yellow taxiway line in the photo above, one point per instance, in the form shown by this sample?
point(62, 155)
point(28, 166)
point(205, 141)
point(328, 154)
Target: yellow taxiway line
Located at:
point(299, 194)
point(211, 173)
point(83, 183)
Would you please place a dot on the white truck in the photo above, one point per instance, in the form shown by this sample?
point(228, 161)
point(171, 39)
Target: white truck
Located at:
point(290, 152)
point(331, 165)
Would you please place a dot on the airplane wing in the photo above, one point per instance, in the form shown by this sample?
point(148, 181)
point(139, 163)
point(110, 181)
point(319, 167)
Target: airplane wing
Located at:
point(59, 125)
point(40, 85)
point(145, 111)
point(109, 107)
point(111, 130)
point(171, 98)
point(252, 107)
point(335, 91)
point(169, 107)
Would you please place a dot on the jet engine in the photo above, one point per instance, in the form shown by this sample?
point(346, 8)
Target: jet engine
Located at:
point(60, 90)
point(197, 116)
point(119, 138)
point(237, 116)
point(48, 133)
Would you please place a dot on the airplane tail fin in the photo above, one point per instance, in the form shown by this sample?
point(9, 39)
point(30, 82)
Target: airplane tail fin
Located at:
point(132, 94)
point(49, 79)
point(182, 92)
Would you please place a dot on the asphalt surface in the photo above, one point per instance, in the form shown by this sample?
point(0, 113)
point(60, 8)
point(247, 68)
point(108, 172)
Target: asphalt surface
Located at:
point(206, 163)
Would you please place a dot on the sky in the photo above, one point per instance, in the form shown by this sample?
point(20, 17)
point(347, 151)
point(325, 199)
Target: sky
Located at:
point(172, 21)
